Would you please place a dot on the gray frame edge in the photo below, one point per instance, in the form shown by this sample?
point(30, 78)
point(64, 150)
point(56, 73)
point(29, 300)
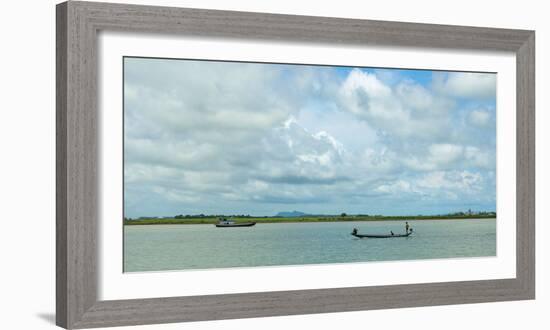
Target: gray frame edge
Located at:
point(61, 167)
point(77, 150)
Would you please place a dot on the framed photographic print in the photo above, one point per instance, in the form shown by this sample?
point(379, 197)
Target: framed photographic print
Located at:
point(216, 165)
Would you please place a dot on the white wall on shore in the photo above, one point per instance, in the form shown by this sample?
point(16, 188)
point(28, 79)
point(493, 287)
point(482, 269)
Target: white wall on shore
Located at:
point(27, 166)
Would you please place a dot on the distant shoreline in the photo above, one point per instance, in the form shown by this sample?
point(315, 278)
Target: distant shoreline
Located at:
point(350, 218)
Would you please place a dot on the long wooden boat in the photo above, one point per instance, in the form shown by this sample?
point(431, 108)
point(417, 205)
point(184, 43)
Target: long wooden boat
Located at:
point(381, 236)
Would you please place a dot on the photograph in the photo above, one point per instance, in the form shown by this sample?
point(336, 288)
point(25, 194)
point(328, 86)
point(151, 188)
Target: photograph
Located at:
point(247, 164)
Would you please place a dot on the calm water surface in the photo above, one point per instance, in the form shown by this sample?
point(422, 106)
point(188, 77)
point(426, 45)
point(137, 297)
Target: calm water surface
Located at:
point(177, 247)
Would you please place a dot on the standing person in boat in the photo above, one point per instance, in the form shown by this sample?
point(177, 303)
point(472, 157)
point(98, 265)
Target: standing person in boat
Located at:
point(406, 227)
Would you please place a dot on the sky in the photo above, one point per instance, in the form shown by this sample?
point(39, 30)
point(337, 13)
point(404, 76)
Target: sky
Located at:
point(251, 138)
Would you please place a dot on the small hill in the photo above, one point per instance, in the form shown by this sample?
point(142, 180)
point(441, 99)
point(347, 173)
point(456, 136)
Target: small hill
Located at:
point(293, 214)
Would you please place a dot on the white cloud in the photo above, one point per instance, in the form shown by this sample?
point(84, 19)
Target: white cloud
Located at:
point(397, 187)
point(450, 156)
point(363, 94)
point(407, 110)
point(445, 153)
point(466, 84)
point(478, 158)
point(479, 118)
point(453, 180)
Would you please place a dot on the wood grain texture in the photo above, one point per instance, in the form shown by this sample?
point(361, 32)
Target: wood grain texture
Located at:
point(197, 308)
point(77, 157)
point(296, 28)
point(525, 165)
point(77, 209)
point(61, 166)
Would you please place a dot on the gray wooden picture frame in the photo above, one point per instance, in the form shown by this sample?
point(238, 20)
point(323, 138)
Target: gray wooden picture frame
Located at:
point(78, 24)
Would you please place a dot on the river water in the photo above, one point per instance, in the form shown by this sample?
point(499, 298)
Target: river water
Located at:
point(179, 247)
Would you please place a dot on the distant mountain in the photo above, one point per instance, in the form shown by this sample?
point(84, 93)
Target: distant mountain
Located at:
point(293, 214)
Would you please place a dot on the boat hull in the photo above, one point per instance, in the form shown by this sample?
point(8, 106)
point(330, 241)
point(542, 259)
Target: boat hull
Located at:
point(242, 224)
point(381, 236)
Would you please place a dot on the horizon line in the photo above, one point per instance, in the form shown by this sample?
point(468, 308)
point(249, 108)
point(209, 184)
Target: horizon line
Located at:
point(318, 214)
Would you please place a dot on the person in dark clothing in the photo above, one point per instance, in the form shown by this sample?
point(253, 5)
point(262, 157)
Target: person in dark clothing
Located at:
point(406, 227)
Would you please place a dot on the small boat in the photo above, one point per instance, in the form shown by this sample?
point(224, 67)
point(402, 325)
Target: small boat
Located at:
point(392, 235)
point(381, 236)
point(224, 223)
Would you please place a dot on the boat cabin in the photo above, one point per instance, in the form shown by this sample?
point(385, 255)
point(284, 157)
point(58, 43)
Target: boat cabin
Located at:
point(224, 221)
